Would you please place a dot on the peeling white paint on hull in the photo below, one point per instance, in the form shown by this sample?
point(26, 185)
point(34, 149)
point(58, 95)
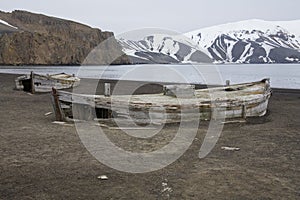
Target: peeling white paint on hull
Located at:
point(228, 102)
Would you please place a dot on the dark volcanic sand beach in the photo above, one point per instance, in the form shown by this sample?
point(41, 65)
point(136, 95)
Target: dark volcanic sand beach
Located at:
point(42, 160)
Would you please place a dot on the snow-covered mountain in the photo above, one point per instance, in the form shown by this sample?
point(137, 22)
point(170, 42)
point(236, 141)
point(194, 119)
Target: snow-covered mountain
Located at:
point(251, 41)
point(161, 48)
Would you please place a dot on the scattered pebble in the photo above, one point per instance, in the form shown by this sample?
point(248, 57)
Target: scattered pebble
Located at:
point(166, 190)
point(103, 177)
point(230, 148)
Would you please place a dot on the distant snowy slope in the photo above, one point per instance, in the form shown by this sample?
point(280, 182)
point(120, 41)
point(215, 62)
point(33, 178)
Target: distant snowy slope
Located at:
point(251, 41)
point(161, 48)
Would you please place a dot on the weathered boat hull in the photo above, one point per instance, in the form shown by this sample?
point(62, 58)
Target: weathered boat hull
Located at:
point(235, 101)
point(45, 83)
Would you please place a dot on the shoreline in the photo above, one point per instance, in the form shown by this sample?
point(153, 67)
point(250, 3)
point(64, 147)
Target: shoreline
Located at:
point(217, 63)
point(198, 86)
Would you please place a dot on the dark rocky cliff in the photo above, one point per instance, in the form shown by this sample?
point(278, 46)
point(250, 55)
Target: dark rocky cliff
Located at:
point(43, 40)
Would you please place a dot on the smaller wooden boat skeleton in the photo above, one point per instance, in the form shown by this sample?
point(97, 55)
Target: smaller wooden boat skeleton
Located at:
point(44, 83)
point(176, 102)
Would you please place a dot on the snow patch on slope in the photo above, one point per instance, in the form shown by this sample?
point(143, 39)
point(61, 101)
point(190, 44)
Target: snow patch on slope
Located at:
point(291, 26)
point(7, 24)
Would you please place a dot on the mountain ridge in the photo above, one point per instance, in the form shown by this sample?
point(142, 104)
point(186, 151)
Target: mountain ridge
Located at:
point(249, 41)
point(35, 39)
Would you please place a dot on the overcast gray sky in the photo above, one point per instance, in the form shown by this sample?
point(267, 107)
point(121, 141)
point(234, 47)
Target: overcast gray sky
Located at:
point(181, 16)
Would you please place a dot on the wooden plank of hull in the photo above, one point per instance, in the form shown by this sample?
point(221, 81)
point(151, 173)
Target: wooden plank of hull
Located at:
point(256, 109)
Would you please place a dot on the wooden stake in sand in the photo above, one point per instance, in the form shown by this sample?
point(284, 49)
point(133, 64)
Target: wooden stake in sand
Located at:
point(32, 82)
point(56, 106)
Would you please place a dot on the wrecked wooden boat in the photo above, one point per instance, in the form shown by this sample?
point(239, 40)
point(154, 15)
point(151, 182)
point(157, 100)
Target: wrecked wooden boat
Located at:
point(44, 83)
point(175, 103)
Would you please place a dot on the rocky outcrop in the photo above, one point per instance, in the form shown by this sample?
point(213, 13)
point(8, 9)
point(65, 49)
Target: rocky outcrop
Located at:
point(35, 39)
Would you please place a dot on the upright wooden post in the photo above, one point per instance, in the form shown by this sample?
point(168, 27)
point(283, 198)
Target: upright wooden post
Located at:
point(56, 106)
point(32, 82)
point(244, 111)
point(227, 82)
point(107, 89)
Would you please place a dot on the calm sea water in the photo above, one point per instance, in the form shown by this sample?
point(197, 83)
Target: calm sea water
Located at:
point(281, 75)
